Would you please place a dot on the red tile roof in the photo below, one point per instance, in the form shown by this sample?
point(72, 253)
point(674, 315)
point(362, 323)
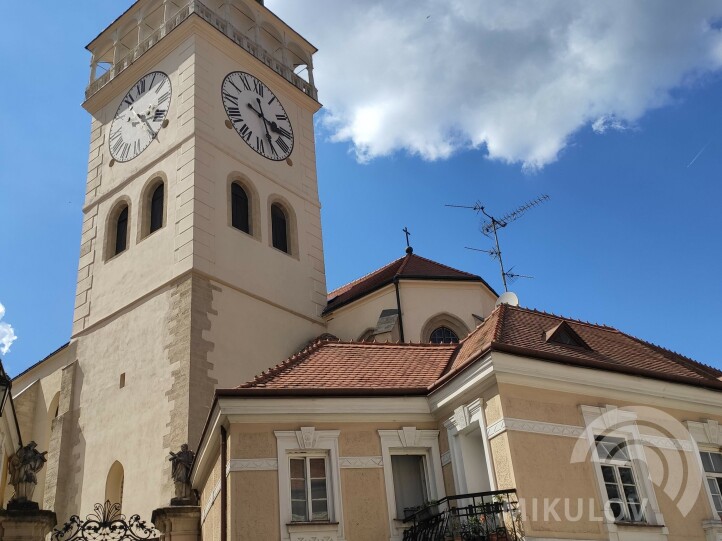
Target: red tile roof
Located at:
point(335, 367)
point(409, 267)
point(523, 331)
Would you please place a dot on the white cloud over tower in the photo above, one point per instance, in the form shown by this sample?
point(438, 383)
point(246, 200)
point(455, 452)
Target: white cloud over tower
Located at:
point(516, 78)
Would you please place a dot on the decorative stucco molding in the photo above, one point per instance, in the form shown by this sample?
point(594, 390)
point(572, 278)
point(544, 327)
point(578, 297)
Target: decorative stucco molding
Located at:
point(214, 494)
point(464, 416)
point(707, 432)
point(446, 458)
point(607, 418)
point(536, 427)
point(353, 462)
point(251, 464)
point(666, 443)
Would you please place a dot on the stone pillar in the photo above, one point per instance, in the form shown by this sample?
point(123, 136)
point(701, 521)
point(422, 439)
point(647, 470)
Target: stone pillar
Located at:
point(26, 525)
point(178, 523)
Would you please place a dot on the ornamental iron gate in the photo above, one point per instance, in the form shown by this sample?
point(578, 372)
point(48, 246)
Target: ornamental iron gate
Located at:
point(106, 523)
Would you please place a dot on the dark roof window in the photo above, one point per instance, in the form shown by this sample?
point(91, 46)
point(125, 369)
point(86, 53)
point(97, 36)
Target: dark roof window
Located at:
point(564, 334)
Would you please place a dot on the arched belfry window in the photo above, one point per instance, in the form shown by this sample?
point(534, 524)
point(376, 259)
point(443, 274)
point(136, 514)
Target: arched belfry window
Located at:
point(240, 208)
point(156, 208)
point(443, 335)
point(279, 228)
point(114, 483)
point(121, 230)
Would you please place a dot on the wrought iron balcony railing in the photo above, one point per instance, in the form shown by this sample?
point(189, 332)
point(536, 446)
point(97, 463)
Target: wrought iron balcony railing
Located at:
point(208, 15)
point(482, 516)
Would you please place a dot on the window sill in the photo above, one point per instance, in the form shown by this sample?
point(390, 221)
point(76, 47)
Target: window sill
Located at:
point(288, 254)
point(627, 524)
point(148, 235)
point(244, 233)
point(116, 256)
point(300, 531)
point(310, 524)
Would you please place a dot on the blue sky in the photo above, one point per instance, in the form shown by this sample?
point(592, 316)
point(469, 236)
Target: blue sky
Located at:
point(630, 237)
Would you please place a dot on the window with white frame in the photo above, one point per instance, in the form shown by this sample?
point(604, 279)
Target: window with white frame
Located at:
point(410, 485)
point(410, 482)
point(309, 488)
point(619, 479)
point(712, 463)
point(309, 481)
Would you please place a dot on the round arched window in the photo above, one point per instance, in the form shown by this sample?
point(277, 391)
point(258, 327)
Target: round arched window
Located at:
point(444, 335)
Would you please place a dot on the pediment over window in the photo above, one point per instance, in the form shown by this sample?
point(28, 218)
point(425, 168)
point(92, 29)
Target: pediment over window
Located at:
point(564, 334)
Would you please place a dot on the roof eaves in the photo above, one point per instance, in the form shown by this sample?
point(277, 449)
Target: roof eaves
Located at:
point(608, 367)
point(258, 392)
point(330, 306)
point(41, 361)
point(475, 356)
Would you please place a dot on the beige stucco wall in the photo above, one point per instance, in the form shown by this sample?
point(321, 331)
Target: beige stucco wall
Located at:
point(364, 504)
point(254, 497)
point(350, 321)
point(125, 424)
point(250, 335)
point(420, 302)
point(210, 504)
point(543, 466)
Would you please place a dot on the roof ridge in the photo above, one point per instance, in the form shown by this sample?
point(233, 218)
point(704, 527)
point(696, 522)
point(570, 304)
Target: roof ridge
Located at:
point(690, 363)
point(337, 343)
point(352, 283)
point(565, 318)
point(500, 319)
point(445, 266)
point(404, 261)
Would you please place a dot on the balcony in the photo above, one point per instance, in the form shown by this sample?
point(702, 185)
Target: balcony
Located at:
point(483, 516)
point(198, 8)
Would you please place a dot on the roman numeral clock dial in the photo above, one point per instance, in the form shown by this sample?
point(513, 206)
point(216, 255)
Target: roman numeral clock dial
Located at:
point(140, 116)
point(257, 115)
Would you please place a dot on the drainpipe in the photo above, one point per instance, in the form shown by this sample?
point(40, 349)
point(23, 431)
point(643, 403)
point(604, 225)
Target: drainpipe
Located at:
point(224, 487)
point(398, 306)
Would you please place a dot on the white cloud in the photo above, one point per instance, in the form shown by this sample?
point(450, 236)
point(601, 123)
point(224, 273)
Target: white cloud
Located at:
point(513, 77)
point(7, 333)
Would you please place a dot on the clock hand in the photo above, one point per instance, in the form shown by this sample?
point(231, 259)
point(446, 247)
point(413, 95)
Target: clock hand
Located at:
point(265, 125)
point(274, 127)
point(144, 121)
point(260, 115)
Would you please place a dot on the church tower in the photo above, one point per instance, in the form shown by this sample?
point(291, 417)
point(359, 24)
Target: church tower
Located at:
point(201, 258)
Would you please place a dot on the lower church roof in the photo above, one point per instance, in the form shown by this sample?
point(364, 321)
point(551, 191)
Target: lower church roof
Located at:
point(333, 367)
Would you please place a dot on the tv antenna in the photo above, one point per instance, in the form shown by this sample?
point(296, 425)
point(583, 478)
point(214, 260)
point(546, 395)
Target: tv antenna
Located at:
point(490, 226)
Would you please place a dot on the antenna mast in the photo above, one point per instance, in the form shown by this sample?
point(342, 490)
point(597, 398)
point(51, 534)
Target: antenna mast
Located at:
point(492, 226)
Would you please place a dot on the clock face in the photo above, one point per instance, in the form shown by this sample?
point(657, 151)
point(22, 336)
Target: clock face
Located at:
point(140, 116)
point(257, 115)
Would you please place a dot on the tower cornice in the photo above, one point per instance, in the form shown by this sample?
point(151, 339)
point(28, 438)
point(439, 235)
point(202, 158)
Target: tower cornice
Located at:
point(119, 52)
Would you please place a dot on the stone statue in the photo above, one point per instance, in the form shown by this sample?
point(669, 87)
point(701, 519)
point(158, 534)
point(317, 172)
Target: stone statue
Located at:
point(182, 463)
point(24, 466)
